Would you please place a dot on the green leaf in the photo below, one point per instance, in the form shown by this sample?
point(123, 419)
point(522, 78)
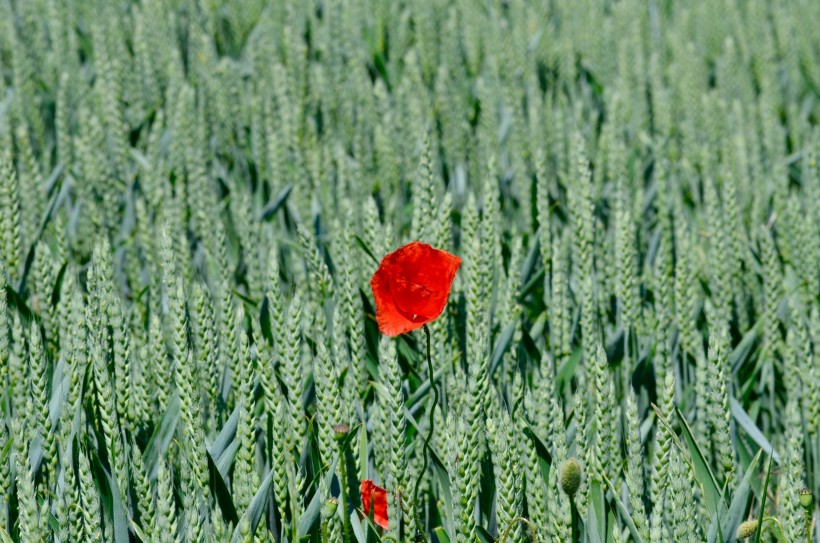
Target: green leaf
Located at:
point(226, 435)
point(58, 283)
point(734, 516)
point(421, 392)
point(245, 298)
point(532, 258)
point(356, 526)
point(695, 459)
point(363, 448)
point(271, 209)
point(118, 512)
point(703, 473)
point(744, 348)
point(255, 509)
point(483, 535)
point(538, 325)
point(314, 508)
point(163, 433)
point(56, 198)
point(138, 531)
point(441, 534)
point(360, 242)
point(225, 460)
point(625, 514)
point(751, 428)
point(763, 495)
point(596, 514)
point(612, 525)
point(501, 345)
point(443, 477)
point(368, 521)
point(541, 448)
point(35, 452)
point(15, 300)
point(52, 520)
point(531, 285)
point(141, 159)
point(221, 493)
point(567, 369)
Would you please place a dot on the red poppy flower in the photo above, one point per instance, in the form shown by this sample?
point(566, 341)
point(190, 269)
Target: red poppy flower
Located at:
point(371, 492)
point(411, 287)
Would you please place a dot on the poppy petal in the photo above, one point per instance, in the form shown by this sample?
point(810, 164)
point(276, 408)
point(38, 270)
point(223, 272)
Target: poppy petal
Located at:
point(411, 286)
point(367, 495)
point(378, 496)
point(380, 508)
point(392, 322)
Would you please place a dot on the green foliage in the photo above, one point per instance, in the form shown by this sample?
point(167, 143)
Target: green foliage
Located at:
point(195, 194)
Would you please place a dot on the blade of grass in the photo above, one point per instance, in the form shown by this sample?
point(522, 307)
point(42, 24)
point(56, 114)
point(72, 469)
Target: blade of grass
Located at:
point(714, 497)
point(625, 515)
point(738, 506)
point(255, 509)
point(763, 501)
point(703, 475)
point(746, 422)
point(271, 209)
point(161, 439)
point(311, 514)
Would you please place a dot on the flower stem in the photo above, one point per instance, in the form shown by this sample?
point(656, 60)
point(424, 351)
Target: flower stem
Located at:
point(343, 494)
point(420, 535)
point(775, 521)
point(576, 522)
point(516, 520)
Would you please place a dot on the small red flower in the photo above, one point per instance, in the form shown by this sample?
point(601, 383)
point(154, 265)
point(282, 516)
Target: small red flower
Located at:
point(371, 492)
point(411, 287)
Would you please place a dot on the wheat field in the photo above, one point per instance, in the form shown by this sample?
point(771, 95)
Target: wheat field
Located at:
point(195, 194)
